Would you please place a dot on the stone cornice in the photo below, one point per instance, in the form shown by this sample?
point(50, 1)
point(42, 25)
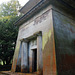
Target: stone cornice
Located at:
point(61, 4)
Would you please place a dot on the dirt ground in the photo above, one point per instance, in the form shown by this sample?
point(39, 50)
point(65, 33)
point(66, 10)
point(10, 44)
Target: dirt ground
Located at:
point(11, 73)
point(5, 67)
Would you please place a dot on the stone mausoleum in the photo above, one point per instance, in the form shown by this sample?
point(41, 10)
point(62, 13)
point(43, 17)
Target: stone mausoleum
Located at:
point(46, 38)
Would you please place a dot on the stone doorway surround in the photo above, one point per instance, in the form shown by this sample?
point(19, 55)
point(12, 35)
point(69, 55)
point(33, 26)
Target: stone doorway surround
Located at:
point(24, 60)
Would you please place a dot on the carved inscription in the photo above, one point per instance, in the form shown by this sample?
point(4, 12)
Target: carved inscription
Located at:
point(41, 18)
point(38, 20)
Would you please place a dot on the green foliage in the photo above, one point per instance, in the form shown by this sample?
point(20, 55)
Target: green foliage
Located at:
point(8, 31)
point(9, 8)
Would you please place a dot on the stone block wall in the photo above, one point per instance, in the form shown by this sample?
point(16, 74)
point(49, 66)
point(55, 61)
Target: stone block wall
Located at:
point(43, 22)
point(64, 30)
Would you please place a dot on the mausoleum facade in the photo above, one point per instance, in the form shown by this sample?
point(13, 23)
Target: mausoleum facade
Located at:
point(46, 38)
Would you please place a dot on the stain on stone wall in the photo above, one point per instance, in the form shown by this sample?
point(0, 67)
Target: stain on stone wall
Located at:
point(45, 38)
point(15, 57)
point(49, 60)
point(64, 29)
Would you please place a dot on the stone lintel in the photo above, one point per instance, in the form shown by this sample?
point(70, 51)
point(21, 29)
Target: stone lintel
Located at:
point(32, 36)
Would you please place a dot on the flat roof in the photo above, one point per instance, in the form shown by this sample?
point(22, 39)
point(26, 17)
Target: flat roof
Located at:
point(32, 3)
point(29, 5)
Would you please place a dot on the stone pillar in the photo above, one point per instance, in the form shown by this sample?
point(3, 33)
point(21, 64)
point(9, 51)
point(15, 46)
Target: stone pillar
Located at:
point(18, 66)
point(39, 55)
point(24, 58)
point(30, 58)
point(30, 62)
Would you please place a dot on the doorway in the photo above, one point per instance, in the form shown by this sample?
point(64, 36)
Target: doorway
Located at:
point(34, 60)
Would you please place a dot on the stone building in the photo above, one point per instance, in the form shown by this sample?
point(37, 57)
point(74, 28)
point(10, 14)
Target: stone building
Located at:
point(46, 38)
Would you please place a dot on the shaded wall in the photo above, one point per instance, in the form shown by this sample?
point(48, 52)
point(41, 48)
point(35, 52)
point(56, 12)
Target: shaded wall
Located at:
point(64, 29)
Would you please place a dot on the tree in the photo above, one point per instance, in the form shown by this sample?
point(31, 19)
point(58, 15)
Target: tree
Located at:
point(8, 31)
point(9, 8)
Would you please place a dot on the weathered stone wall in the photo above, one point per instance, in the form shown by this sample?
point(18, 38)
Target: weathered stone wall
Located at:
point(41, 22)
point(49, 57)
point(64, 29)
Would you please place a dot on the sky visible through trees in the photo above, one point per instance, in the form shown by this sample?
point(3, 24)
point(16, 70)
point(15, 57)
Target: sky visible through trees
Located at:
point(8, 31)
point(22, 2)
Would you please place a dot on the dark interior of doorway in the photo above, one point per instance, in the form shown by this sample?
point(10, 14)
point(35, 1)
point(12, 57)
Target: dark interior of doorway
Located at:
point(34, 62)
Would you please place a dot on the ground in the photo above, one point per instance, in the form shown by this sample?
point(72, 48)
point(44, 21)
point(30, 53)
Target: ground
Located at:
point(11, 73)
